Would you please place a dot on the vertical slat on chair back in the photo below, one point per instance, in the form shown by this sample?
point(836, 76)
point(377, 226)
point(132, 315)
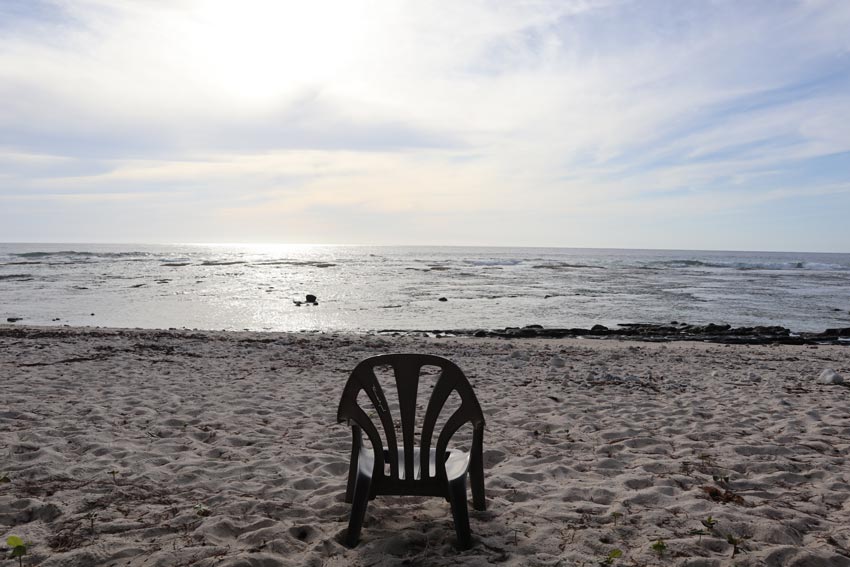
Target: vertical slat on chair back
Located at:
point(363, 379)
point(451, 380)
point(406, 370)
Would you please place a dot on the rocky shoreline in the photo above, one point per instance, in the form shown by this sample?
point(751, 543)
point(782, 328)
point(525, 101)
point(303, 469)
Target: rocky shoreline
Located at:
point(714, 333)
point(646, 332)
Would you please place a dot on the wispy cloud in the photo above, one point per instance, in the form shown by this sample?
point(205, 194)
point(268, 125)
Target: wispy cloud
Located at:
point(466, 122)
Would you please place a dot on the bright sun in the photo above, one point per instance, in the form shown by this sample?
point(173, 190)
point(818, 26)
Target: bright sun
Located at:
point(256, 50)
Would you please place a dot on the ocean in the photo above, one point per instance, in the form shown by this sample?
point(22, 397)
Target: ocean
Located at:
point(360, 289)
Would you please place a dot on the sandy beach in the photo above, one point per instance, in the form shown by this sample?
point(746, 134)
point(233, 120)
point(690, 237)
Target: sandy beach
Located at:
point(167, 448)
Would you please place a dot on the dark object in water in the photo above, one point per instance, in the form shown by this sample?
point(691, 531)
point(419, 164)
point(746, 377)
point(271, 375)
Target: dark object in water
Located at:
point(310, 300)
point(13, 319)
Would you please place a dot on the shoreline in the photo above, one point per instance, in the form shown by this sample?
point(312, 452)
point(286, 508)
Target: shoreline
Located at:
point(713, 333)
point(210, 448)
point(639, 332)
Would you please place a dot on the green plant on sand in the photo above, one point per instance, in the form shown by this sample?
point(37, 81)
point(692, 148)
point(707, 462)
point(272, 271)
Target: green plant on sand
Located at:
point(612, 555)
point(720, 479)
point(735, 542)
point(91, 517)
point(709, 524)
point(18, 547)
point(659, 547)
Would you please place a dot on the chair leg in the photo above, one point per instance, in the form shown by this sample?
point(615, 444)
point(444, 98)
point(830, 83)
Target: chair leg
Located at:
point(476, 471)
point(476, 480)
point(460, 514)
point(353, 466)
point(360, 499)
point(349, 488)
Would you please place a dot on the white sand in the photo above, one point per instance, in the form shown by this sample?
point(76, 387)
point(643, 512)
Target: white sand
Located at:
point(624, 444)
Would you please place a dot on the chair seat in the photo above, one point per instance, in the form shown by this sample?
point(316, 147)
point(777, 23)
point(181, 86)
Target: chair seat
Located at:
point(457, 463)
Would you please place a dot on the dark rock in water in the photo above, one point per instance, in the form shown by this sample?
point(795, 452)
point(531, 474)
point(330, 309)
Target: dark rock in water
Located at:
point(13, 319)
point(707, 329)
point(442, 299)
point(845, 332)
point(92, 314)
point(775, 331)
point(309, 300)
point(530, 331)
point(652, 332)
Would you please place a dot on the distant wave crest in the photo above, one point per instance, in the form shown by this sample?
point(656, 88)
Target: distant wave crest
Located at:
point(563, 266)
point(76, 254)
point(732, 265)
point(494, 262)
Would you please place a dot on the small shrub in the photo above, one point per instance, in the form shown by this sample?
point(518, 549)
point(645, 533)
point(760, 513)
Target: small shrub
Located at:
point(91, 517)
point(18, 547)
point(720, 479)
point(735, 542)
point(612, 555)
point(659, 547)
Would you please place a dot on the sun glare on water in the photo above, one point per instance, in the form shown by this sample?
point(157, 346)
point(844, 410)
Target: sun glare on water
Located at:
point(277, 249)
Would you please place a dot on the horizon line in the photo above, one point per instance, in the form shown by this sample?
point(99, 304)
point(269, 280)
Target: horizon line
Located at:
point(360, 245)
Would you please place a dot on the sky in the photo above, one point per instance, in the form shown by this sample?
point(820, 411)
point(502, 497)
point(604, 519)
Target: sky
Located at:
point(706, 124)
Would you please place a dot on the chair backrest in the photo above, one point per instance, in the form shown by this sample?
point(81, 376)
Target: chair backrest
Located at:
point(406, 369)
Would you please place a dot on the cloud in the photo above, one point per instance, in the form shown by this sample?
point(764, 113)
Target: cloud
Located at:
point(369, 109)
